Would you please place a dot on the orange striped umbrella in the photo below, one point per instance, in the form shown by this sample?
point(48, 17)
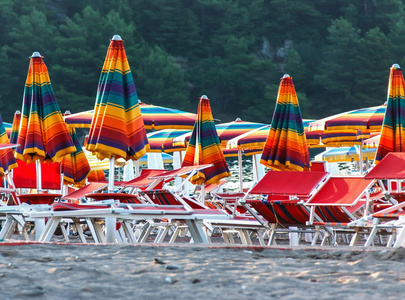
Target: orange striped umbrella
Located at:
point(286, 145)
point(393, 132)
point(43, 134)
point(204, 147)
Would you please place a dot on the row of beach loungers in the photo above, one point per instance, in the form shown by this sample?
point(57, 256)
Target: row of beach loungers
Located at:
point(299, 207)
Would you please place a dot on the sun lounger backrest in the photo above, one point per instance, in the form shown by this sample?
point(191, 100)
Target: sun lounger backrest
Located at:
point(24, 176)
point(161, 197)
point(80, 193)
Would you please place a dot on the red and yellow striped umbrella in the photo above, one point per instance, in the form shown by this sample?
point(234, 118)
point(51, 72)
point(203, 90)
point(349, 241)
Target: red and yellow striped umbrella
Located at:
point(7, 159)
point(204, 147)
point(162, 140)
point(154, 118)
point(43, 134)
point(117, 128)
point(286, 145)
point(393, 132)
point(75, 167)
point(15, 127)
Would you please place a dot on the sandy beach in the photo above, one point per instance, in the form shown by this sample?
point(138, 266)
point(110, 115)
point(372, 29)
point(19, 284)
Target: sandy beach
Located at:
point(186, 271)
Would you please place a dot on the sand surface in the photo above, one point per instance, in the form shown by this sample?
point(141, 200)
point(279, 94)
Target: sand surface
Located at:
point(49, 271)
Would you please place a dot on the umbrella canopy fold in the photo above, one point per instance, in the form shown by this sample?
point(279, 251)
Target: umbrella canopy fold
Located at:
point(204, 147)
point(393, 132)
point(43, 135)
point(286, 145)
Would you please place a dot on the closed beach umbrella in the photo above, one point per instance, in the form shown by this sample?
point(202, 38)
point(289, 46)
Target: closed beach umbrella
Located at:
point(7, 159)
point(43, 135)
point(393, 132)
point(286, 145)
point(204, 147)
point(15, 127)
point(75, 167)
point(117, 128)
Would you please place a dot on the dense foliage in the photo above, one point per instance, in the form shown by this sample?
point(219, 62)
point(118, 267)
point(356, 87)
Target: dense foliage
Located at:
point(235, 51)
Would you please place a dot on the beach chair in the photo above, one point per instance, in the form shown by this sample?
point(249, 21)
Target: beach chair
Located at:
point(389, 217)
point(279, 199)
point(340, 201)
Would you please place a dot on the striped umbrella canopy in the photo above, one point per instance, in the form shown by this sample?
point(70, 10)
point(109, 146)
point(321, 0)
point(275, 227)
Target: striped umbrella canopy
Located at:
point(286, 145)
point(204, 147)
point(345, 154)
point(117, 128)
point(393, 131)
point(75, 167)
point(154, 118)
point(15, 127)
point(7, 159)
point(349, 128)
point(256, 138)
point(43, 135)
point(162, 140)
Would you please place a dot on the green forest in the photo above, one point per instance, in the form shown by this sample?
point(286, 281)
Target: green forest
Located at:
point(235, 51)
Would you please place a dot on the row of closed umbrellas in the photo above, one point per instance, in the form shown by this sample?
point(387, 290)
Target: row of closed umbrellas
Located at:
point(118, 123)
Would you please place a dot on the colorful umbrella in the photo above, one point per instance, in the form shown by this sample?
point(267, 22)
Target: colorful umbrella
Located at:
point(345, 154)
point(162, 140)
point(204, 147)
point(286, 145)
point(7, 159)
point(117, 128)
point(15, 127)
point(43, 134)
point(154, 118)
point(393, 131)
point(75, 167)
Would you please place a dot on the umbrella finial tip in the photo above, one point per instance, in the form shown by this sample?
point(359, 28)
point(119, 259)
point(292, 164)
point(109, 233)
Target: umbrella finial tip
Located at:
point(238, 120)
point(36, 54)
point(396, 66)
point(116, 38)
point(17, 112)
point(286, 75)
point(204, 97)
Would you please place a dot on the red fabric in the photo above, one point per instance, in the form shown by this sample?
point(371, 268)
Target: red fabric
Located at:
point(96, 175)
point(144, 180)
point(122, 197)
point(80, 193)
point(71, 206)
point(24, 176)
point(392, 166)
point(288, 183)
point(38, 198)
point(318, 166)
point(341, 191)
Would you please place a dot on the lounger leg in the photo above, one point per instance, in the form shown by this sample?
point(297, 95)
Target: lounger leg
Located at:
point(197, 232)
point(79, 230)
point(145, 234)
point(294, 238)
point(8, 228)
point(399, 241)
point(49, 229)
point(64, 232)
point(316, 236)
point(272, 236)
point(110, 229)
point(391, 240)
point(371, 236)
point(93, 231)
point(175, 234)
point(162, 232)
point(128, 231)
point(39, 227)
point(355, 237)
point(260, 237)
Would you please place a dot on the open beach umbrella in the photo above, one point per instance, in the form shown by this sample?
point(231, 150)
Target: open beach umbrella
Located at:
point(43, 135)
point(393, 132)
point(117, 128)
point(204, 147)
point(75, 167)
point(154, 118)
point(15, 127)
point(345, 154)
point(286, 145)
point(7, 159)
point(162, 140)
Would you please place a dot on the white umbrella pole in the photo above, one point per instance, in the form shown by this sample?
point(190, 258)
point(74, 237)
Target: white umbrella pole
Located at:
point(137, 168)
point(111, 175)
point(202, 196)
point(38, 173)
point(240, 170)
point(361, 159)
